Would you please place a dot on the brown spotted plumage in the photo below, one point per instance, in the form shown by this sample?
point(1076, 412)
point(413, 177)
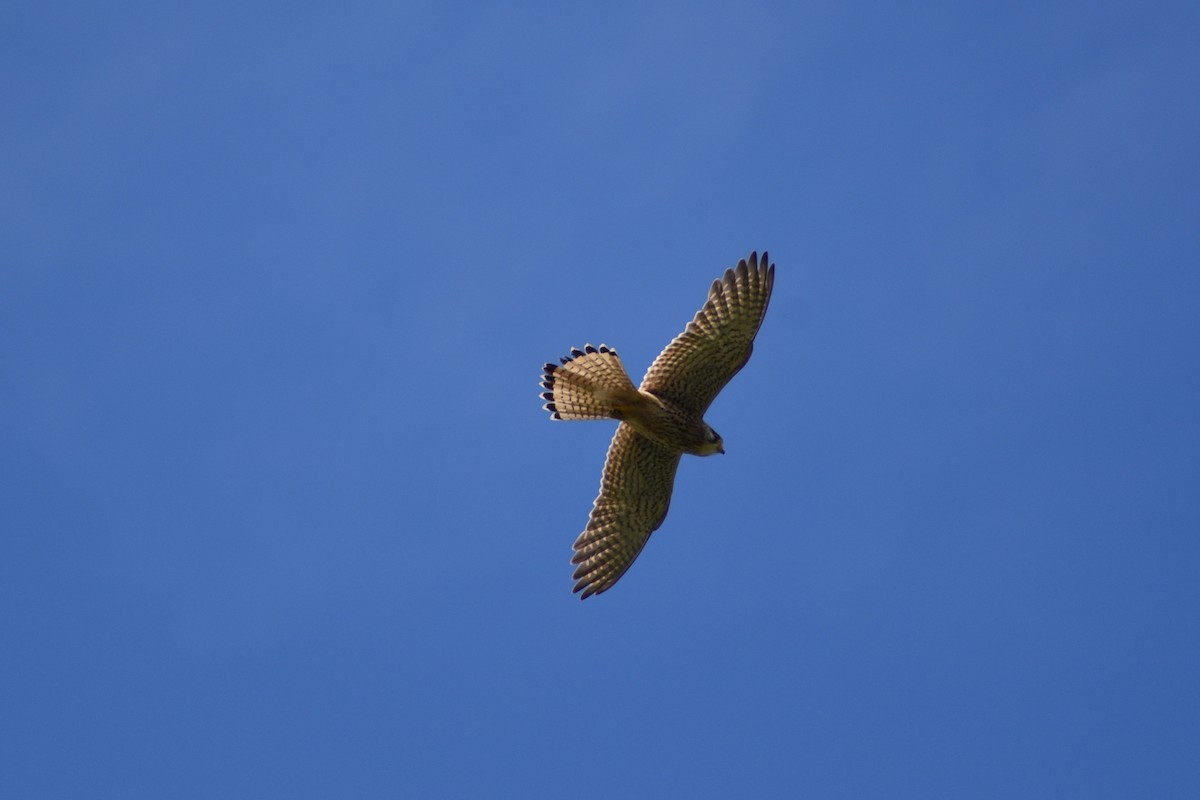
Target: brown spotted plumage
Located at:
point(660, 420)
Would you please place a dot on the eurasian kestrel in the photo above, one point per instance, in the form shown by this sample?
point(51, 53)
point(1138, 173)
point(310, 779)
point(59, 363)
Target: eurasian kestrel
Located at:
point(660, 420)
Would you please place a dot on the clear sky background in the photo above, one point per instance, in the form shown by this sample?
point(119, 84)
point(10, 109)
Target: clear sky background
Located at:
point(282, 515)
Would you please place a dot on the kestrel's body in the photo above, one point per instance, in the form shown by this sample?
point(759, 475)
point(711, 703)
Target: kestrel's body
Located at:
point(660, 420)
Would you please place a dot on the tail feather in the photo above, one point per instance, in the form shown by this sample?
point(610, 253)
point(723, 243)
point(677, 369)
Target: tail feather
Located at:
point(590, 384)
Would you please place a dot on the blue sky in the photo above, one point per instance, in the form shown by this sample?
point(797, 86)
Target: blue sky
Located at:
point(282, 516)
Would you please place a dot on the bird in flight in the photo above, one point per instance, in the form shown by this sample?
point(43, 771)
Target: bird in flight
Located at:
point(660, 420)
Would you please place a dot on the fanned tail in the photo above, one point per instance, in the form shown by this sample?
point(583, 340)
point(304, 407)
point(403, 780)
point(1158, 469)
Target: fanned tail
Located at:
point(591, 384)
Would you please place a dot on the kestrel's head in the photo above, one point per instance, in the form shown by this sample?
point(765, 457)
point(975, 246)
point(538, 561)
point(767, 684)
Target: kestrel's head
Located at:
point(712, 442)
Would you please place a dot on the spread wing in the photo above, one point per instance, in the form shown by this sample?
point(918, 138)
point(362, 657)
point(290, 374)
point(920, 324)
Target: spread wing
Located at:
point(717, 343)
point(635, 493)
